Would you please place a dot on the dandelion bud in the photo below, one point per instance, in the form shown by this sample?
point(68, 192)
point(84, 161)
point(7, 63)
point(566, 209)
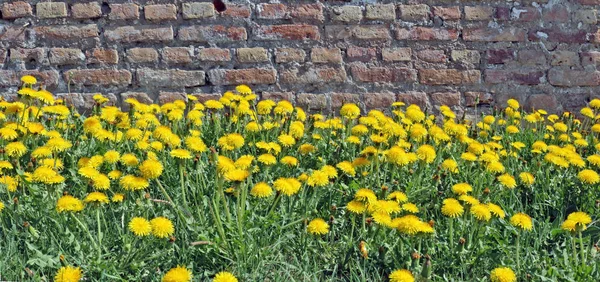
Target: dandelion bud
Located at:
point(333, 208)
point(431, 223)
point(426, 272)
point(16, 200)
point(415, 256)
point(363, 249)
point(65, 193)
point(381, 250)
point(395, 182)
point(331, 219)
point(384, 188)
point(369, 221)
point(462, 241)
point(147, 195)
point(172, 239)
point(61, 257)
point(1, 151)
point(30, 165)
point(486, 190)
point(26, 224)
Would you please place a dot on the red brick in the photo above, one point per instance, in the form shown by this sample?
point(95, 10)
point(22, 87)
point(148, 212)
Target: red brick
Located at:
point(556, 13)
point(170, 97)
point(131, 34)
point(447, 13)
point(313, 76)
point(15, 10)
point(33, 55)
point(272, 11)
point(449, 76)
point(542, 101)
point(242, 76)
point(177, 55)
point(361, 54)
point(101, 77)
point(525, 14)
point(48, 78)
point(432, 56)
point(363, 73)
point(90, 10)
point(307, 12)
point(157, 13)
point(8, 78)
point(172, 78)
point(379, 100)
point(499, 56)
point(312, 102)
point(237, 11)
point(473, 99)
point(326, 55)
point(522, 77)
point(66, 56)
point(426, 34)
point(288, 32)
point(339, 99)
point(446, 98)
point(494, 34)
point(278, 96)
point(214, 55)
point(373, 33)
point(102, 56)
point(556, 35)
point(502, 14)
point(570, 78)
point(288, 55)
point(142, 55)
point(213, 33)
point(127, 11)
point(66, 32)
point(414, 98)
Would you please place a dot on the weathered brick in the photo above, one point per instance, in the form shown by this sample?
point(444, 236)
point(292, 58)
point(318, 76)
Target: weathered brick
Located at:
point(301, 12)
point(362, 73)
point(525, 14)
point(102, 77)
point(541, 101)
point(307, 13)
point(51, 10)
point(339, 99)
point(131, 34)
point(503, 14)
point(426, 34)
point(278, 96)
point(466, 56)
point(556, 35)
point(48, 78)
point(177, 55)
point(3, 55)
point(288, 55)
point(12, 34)
point(479, 13)
point(213, 33)
point(156, 13)
point(384, 12)
point(8, 78)
point(414, 98)
point(237, 11)
point(90, 10)
point(142, 55)
point(198, 10)
point(495, 34)
point(33, 55)
point(588, 2)
point(346, 14)
point(564, 58)
point(170, 97)
point(312, 102)
point(433, 56)
point(532, 57)
point(287, 32)
point(172, 78)
point(419, 12)
point(15, 10)
point(102, 56)
point(380, 101)
point(570, 78)
point(252, 55)
point(275, 11)
point(590, 59)
point(67, 32)
point(586, 16)
point(66, 56)
point(313, 76)
point(361, 54)
point(326, 55)
point(373, 33)
point(447, 13)
point(242, 76)
point(499, 56)
point(214, 55)
point(401, 54)
point(556, 13)
point(84, 102)
point(139, 96)
point(473, 99)
point(449, 76)
point(127, 11)
point(450, 99)
point(522, 77)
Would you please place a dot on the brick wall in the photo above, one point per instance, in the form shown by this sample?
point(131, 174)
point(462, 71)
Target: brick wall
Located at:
point(319, 54)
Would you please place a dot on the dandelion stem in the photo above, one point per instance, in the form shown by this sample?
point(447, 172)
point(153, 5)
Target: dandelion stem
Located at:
point(182, 180)
point(451, 231)
point(518, 257)
point(87, 231)
point(581, 248)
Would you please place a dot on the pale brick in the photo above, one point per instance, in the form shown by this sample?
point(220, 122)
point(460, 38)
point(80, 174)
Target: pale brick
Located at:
point(564, 58)
point(479, 13)
point(156, 13)
point(339, 99)
point(142, 55)
point(447, 13)
point(419, 12)
point(312, 102)
point(89, 10)
point(278, 96)
point(396, 54)
point(242, 76)
point(288, 55)
point(51, 10)
point(131, 34)
point(466, 56)
point(449, 76)
point(67, 32)
point(313, 76)
point(15, 10)
point(384, 12)
point(570, 78)
point(127, 11)
point(198, 10)
point(586, 16)
point(346, 14)
point(171, 78)
point(214, 33)
point(33, 55)
point(252, 55)
point(8, 78)
point(214, 55)
point(326, 55)
point(177, 55)
point(66, 56)
point(363, 73)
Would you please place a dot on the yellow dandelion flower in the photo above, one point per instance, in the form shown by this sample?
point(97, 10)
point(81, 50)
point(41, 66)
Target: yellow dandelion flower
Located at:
point(426, 153)
point(289, 161)
point(96, 197)
point(225, 277)
point(162, 227)
point(401, 275)
point(140, 226)
point(117, 198)
point(151, 169)
point(496, 210)
point(231, 142)
point(481, 212)
point(267, 159)
point(356, 207)
point(69, 203)
point(503, 274)
point(317, 226)
point(68, 274)
point(15, 149)
point(261, 190)
point(507, 180)
point(350, 111)
point(181, 154)
point(452, 208)
point(461, 188)
point(588, 176)
point(522, 221)
point(236, 175)
point(178, 274)
point(318, 178)
point(287, 186)
point(580, 219)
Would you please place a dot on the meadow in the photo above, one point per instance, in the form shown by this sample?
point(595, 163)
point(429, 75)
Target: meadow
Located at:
point(242, 189)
